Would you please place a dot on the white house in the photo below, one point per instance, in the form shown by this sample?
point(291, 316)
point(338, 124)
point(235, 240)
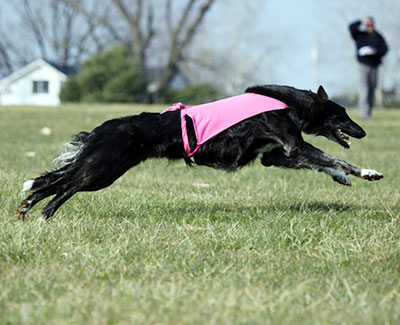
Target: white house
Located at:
point(37, 83)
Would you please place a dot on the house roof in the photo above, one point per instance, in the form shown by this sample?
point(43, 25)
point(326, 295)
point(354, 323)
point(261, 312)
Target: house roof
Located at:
point(66, 69)
point(29, 68)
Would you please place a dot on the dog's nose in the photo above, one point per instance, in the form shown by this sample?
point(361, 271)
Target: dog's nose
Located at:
point(359, 131)
point(354, 130)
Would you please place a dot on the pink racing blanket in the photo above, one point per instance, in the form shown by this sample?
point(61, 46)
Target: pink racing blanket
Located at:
point(212, 118)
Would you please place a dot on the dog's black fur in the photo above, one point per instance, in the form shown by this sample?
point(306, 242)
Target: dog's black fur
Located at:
point(110, 150)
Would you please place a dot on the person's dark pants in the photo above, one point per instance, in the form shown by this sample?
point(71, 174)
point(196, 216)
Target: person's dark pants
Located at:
point(368, 81)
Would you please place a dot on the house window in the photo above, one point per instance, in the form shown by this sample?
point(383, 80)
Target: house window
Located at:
point(40, 87)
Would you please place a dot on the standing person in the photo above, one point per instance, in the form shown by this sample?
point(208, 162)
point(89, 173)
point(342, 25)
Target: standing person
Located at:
point(371, 47)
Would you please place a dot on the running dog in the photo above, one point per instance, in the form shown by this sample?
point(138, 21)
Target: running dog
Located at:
point(96, 159)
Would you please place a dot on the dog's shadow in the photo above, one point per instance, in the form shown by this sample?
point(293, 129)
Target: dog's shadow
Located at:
point(317, 206)
point(221, 210)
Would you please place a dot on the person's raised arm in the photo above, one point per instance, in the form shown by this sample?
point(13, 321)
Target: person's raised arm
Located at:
point(355, 28)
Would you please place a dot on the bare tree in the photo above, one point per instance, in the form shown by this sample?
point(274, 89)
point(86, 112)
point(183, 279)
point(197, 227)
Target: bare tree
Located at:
point(234, 57)
point(10, 54)
point(5, 60)
point(166, 37)
point(54, 31)
point(180, 37)
point(161, 34)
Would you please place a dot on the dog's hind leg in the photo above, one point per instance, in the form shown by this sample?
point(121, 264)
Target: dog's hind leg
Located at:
point(27, 204)
point(90, 177)
point(94, 171)
point(56, 202)
point(41, 187)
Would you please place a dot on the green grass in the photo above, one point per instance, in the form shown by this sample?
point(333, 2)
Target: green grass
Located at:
point(167, 244)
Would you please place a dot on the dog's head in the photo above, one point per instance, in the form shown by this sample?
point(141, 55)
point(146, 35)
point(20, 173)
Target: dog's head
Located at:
point(331, 120)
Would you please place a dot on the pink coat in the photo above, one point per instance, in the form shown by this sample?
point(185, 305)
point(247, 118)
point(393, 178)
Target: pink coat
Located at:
point(212, 118)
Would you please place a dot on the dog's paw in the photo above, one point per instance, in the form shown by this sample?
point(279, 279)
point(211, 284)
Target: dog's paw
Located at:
point(370, 174)
point(23, 210)
point(337, 176)
point(342, 179)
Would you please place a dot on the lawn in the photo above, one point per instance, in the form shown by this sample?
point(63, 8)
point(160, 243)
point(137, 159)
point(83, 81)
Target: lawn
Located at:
point(167, 244)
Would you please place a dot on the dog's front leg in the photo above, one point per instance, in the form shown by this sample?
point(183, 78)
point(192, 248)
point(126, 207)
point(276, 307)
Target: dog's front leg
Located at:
point(295, 160)
point(335, 167)
point(305, 156)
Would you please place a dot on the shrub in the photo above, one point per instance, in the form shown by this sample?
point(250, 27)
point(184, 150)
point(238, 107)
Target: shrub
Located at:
point(111, 76)
point(70, 91)
point(192, 95)
point(128, 86)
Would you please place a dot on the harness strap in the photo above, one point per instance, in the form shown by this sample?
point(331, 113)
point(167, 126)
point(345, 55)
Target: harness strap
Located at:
point(180, 107)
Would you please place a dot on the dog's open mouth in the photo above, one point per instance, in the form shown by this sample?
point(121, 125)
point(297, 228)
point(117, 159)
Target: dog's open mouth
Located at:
point(341, 138)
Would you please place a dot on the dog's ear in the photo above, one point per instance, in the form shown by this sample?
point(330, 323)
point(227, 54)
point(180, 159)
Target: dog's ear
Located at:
point(322, 95)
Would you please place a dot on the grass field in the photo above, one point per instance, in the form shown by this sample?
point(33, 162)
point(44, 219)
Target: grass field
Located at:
point(167, 244)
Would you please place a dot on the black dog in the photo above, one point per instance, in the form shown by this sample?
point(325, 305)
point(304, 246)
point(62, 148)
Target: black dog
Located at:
point(100, 157)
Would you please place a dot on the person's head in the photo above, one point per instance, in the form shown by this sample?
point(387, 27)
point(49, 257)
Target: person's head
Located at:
point(369, 22)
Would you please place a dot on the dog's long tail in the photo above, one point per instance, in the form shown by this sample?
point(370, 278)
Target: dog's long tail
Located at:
point(71, 150)
point(64, 163)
